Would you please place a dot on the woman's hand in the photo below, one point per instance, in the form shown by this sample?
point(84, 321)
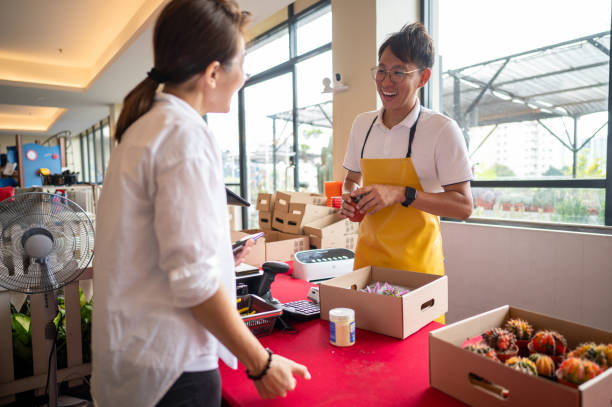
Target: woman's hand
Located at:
point(241, 254)
point(279, 379)
point(376, 197)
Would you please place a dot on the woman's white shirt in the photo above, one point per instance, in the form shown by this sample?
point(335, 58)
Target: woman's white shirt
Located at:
point(439, 154)
point(162, 246)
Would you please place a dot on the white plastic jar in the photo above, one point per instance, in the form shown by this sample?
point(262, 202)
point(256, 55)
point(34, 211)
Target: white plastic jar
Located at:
point(342, 326)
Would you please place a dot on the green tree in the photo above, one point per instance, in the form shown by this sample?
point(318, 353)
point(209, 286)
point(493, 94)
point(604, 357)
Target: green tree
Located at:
point(496, 171)
point(583, 170)
point(552, 171)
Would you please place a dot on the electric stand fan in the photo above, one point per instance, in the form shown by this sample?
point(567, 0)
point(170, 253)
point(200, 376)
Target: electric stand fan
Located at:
point(46, 242)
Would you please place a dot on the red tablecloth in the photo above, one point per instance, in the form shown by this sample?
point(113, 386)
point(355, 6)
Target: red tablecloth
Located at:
point(377, 371)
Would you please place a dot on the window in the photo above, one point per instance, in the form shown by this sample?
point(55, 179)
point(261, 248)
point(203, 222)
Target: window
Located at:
point(95, 146)
point(268, 52)
point(225, 129)
point(314, 30)
point(286, 141)
point(532, 100)
point(314, 123)
point(269, 138)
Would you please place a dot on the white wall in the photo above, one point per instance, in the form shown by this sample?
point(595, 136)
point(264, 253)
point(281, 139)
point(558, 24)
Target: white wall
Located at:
point(564, 274)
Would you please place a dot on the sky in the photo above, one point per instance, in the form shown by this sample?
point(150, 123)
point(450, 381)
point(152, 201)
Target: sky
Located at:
point(472, 31)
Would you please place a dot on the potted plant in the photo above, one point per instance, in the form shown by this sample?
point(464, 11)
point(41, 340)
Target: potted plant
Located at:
point(523, 331)
point(502, 341)
point(549, 343)
point(522, 365)
point(600, 354)
point(482, 349)
point(544, 365)
point(574, 371)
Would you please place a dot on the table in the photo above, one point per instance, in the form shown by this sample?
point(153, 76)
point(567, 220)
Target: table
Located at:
point(377, 371)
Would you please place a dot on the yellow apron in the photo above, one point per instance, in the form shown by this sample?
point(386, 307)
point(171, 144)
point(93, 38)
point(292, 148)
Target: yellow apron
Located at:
point(398, 237)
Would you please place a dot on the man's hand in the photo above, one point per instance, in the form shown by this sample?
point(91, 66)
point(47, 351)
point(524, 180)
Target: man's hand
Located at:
point(376, 197)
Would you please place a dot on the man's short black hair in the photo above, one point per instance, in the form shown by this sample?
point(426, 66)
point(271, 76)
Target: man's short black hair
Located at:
point(411, 44)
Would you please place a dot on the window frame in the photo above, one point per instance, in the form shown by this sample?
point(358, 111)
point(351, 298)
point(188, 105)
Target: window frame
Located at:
point(427, 13)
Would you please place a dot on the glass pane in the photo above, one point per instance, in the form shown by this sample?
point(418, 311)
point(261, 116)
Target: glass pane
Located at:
point(269, 138)
point(106, 145)
point(314, 123)
point(267, 53)
point(314, 30)
point(532, 102)
point(565, 205)
point(79, 148)
point(225, 128)
point(99, 146)
point(91, 155)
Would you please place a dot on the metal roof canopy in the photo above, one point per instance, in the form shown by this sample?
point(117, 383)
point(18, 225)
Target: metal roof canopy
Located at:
point(318, 115)
point(565, 79)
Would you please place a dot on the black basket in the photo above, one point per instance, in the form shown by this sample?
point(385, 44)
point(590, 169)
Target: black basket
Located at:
point(262, 321)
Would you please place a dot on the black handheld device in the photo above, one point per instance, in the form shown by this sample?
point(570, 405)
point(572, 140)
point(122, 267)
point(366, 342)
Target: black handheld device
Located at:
point(270, 270)
point(238, 244)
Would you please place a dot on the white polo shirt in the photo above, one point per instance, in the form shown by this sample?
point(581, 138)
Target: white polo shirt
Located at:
point(162, 246)
point(439, 154)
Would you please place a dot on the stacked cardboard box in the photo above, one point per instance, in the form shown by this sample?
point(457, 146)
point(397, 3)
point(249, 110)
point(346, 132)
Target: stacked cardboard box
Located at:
point(332, 231)
point(265, 205)
point(292, 210)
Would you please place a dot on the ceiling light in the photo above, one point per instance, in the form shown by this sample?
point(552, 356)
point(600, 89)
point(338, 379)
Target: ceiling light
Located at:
point(531, 105)
point(519, 101)
point(561, 110)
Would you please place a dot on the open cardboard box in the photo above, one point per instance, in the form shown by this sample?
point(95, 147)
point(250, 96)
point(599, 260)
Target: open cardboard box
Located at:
point(450, 366)
point(273, 245)
point(394, 316)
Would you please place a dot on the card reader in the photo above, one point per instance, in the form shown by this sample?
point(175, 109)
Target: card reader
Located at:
point(322, 264)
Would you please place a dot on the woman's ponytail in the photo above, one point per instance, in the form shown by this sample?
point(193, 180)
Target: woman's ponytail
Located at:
point(135, 104)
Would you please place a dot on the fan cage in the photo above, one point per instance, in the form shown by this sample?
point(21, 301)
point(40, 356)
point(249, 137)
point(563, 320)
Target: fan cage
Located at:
point(73, 242)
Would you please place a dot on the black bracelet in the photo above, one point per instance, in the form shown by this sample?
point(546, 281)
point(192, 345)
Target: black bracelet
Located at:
point(263, 373)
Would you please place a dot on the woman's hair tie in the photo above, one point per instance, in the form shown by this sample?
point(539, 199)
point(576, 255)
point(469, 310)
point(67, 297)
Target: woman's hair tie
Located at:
point(157, 76)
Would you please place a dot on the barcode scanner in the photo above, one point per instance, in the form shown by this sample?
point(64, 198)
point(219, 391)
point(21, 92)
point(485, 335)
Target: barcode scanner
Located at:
point(270, 270)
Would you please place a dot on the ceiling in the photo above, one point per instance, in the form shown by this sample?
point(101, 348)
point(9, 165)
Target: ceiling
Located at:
point(64, 62)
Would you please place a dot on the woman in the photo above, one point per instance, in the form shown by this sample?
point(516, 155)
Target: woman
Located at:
point(164, 280)
point(412, 162)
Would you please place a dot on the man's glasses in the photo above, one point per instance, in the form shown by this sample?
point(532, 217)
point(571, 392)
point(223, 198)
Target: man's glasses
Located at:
point(395, 75)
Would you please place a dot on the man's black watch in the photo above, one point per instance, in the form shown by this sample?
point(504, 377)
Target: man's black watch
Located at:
point(410, 196)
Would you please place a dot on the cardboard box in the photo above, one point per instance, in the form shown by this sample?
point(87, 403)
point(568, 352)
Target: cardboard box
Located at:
point(329, 242)
point(450, 365)
point(265, 220)
point(283, 199)
point(301, 214)
point(274, 245)
point(332, 231)
point(265, 202)
point(394, 316)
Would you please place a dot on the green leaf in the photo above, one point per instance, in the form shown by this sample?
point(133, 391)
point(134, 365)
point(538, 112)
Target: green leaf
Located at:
point(21, 329)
